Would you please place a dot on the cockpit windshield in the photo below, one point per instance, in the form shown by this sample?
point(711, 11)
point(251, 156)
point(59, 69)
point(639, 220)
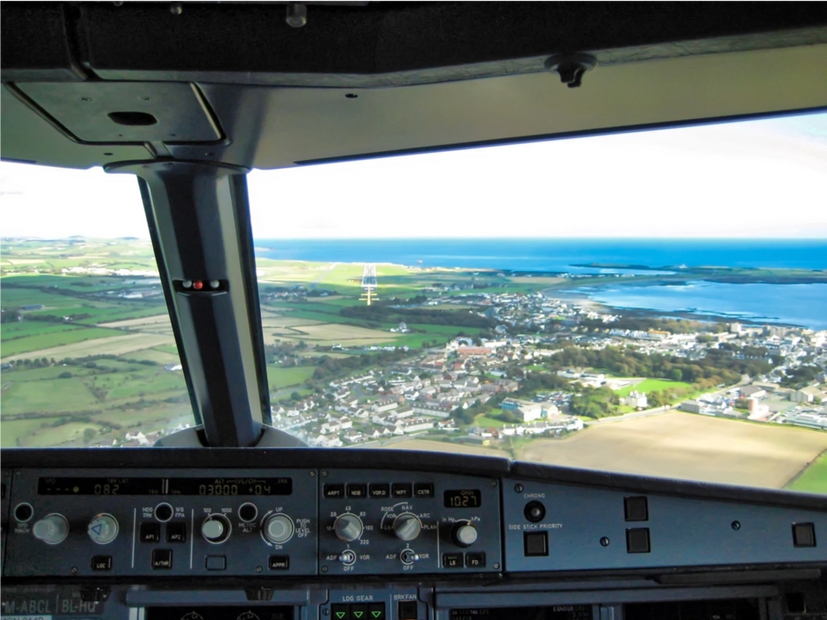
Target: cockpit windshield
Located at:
point(650, 302)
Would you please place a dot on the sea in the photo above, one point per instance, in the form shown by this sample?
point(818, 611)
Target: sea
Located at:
point(793, 304)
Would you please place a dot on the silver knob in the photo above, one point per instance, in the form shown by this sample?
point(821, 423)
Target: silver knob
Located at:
point(348, 527)
point(409, 556)
point(465, 534)
point(278, 529)
point(51, 529)
point(407, 527)
point(103, 529)
point(215, 529)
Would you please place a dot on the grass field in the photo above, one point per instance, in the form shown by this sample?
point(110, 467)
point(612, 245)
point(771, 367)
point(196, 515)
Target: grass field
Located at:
point(486, 422)
point(12, 430)
point(683, 445)
point(45, 395)
point(814, 478)
point(279, 378)
point(51, 339)
point(653, 385)
point(117, 345)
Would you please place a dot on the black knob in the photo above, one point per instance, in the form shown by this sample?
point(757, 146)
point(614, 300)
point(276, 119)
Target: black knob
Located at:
point(534, 512)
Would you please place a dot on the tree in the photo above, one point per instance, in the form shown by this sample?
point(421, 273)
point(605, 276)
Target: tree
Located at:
point(89, 434)
point(676, 374)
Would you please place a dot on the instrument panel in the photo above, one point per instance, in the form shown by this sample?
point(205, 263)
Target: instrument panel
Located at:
point(358, 534)
point(383, 521)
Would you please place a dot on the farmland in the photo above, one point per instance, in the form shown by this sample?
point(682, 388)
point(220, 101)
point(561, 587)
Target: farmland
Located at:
point(88, 349)
point(682, 445)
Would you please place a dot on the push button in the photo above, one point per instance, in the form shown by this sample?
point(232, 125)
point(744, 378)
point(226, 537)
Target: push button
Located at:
point(452, 560)
point(161, 559)
point(423, 489)
point(636, 508)
point(380, 491)
point(401, 489)
point(336, 491)
point(279, 562)
point(407, 610)
point(176, 532)
point(637, 540)
point(357, 490)
point(102, 562)
point(376, 611)
point(535, 544)
point(150, 532)
point(804, 535)
point(340, 611)
point(216, 562)
point(475, 560)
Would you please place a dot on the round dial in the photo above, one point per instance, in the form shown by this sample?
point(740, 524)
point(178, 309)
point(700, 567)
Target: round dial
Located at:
point(103, 529)
point(216, 529)
point(278, 529)
point(248, 615)
point(407, 526)
point(348, 527)
point(464, 534)
point(51, 529)
point(192, 616)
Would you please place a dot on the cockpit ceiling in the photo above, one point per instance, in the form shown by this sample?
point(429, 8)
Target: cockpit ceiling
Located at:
point(275, 119)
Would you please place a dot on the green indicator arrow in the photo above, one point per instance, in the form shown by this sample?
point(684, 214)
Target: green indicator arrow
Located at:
point(340, 614)
point(376, 614)
point(358, 614)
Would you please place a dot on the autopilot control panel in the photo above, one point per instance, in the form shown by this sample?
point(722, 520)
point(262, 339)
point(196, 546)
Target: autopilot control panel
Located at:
point(149, 535)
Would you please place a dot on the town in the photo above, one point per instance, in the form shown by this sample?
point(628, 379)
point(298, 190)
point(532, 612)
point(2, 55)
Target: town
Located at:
point(426, 393)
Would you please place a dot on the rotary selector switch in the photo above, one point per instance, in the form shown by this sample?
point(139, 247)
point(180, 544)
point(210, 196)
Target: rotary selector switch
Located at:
point(51, 529)
point(407, 527)
point(464, 534)
point(103, 529)
point(278, 529)
point(216, 529)
point(348, 527)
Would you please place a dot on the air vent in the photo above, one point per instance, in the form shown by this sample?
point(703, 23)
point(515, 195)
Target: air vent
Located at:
point(132, 119)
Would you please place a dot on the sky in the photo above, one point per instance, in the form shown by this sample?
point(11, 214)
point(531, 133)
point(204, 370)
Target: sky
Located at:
point(755, 179)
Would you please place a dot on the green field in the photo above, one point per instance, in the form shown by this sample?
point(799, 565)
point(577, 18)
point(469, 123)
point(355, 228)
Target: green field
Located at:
point(53, 339)
point(486, 422)
point(12, 430)
point(653, 385)
point(46, 396)
point(813, 479)
point(279, 378)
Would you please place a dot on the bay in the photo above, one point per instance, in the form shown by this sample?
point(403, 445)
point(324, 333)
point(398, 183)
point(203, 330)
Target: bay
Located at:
point(795, 304)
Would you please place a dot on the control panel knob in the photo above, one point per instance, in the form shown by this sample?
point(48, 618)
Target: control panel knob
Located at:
point(464, 534)
point(103, 529)
point(407, 527)
point(51, 529)
point(348, 557)
point(409, 556)
point(348, 527)
point(216, 529)
point(278, 529)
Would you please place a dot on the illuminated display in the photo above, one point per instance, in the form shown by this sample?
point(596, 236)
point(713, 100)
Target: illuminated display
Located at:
point(165, 486)
point(463, 498)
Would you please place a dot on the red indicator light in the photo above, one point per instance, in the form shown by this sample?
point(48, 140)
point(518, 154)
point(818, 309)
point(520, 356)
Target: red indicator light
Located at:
point(197, 285)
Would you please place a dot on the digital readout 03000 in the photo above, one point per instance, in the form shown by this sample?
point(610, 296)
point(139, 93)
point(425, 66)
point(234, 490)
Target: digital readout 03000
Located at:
point(164, 486)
